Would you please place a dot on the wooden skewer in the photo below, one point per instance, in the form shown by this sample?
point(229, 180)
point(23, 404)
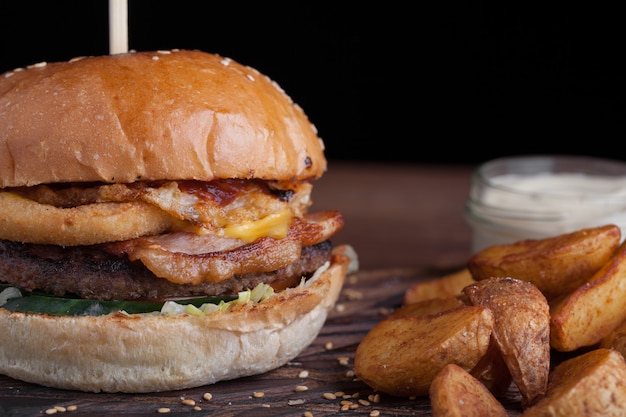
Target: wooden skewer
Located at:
point(118, 26)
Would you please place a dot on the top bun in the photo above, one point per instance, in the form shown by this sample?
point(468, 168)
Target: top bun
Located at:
point(151, 116)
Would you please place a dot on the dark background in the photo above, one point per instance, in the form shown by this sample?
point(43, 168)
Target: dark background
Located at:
point(453, 82)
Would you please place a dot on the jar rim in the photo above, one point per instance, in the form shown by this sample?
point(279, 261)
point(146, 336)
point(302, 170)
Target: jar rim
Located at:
point(533, 164)
point(490, 173)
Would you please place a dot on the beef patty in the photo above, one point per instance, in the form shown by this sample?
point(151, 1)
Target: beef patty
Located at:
point(91, 273)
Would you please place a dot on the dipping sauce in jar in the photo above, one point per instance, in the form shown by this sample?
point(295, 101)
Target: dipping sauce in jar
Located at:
point(533, 197)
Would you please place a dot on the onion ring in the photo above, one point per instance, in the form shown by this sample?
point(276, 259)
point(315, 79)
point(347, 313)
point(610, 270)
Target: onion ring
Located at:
point(25, 220)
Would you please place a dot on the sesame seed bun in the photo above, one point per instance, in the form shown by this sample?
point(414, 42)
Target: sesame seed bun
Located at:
point(207, 117)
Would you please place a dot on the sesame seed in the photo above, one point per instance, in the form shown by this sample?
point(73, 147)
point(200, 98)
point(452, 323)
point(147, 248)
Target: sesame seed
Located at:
point(307, 414)
point(353, 294)
point(328, 345)
point(303, 374)
point(345, 408)
point(340, 308)
point(197, 408)
point(277, 86)
point(60, 409)
point(343, 360)
point(374, 413)
point(207, 396)
point(295, 402)
point(258, 394)
point(384, 311)
point(301, 388)
point(163, 410)
point(265, 405)
point(329, 396)
point(250, 77)
point(155, 58)
point(364, 402)
point(226, 61)
point(38, 65)
point(340, 394)
point(164, 52)
point(350, 373)
point(188, 402)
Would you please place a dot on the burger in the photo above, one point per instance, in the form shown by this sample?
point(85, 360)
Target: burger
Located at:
point(155, 231)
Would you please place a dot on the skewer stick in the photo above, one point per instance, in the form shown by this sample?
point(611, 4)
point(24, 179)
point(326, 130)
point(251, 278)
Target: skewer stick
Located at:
point(118, 26)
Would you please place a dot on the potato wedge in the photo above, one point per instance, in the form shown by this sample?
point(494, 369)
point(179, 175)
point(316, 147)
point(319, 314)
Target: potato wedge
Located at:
point(616, 339)
point(521, 330)
point(492, 371)
point(401, 356)
point(442, 287)
point(456, 393)
point(591, 384)
point(427, 307)
point(594, 310)
point(556, 265)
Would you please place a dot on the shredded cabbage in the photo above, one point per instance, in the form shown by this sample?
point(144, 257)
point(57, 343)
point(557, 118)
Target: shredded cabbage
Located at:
point(258, 294)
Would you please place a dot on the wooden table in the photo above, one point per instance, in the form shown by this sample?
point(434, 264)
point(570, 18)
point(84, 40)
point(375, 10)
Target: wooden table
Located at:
point(406, 223)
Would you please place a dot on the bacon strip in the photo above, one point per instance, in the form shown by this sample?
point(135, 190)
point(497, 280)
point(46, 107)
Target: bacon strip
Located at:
point(186, 258)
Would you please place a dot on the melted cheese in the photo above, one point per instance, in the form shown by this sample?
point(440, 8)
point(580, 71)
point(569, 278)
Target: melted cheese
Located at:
point(274, 225)
point(251, 214)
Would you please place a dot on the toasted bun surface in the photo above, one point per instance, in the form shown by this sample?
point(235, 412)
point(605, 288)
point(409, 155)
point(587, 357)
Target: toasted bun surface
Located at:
point(151, 353)
point(151, 116)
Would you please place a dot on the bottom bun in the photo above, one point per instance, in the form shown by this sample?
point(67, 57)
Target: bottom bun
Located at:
point(151, 352)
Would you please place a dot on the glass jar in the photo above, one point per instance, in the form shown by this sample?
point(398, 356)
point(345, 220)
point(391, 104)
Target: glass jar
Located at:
point(533, 197)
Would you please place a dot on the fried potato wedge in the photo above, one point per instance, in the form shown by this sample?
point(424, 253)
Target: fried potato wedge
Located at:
point(456, 393)
point(401, 356)
point(427, 307)
point(442, 287)
point(492, 371)
point(594, 310)
point(521, 330)
point(588, 385)
point(556, 265)
point(616, 339)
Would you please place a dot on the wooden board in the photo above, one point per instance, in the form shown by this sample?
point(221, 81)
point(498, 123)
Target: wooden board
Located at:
point(328, 362)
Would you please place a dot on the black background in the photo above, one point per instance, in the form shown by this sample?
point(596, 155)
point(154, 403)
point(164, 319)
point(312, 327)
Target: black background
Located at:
point(451, 82)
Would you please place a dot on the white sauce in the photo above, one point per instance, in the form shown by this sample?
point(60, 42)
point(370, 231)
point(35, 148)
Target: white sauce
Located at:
point(515, 207)
point(550, 189)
